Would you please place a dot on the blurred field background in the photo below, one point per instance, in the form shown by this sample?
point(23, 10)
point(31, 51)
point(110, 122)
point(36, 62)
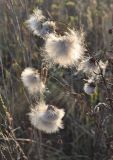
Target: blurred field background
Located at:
point(20, 49)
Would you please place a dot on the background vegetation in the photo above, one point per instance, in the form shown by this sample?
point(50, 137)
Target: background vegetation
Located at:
point(82, 138)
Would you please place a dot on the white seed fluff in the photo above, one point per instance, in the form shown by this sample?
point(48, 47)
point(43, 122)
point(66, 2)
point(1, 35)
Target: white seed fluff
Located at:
point(65, 50)
point(37, 24)
point(35, 21)
point(90, 87)
point(46, 118)
point(88, 65)
point(31, 80)
point(103, 66)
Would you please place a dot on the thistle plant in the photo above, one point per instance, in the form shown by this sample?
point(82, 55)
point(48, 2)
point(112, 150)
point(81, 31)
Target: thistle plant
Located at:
point(68, 50)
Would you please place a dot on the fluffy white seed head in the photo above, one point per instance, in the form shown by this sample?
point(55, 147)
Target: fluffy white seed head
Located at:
point(65, 50)
point(92, 67)
point(89, 87)
point(46, 118)
point(31, 80)
point(88, 65)
point(37, 24)
point(35, 21)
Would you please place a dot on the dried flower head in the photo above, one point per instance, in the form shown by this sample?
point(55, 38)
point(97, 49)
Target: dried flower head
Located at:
point(100, 107)
point(88, 65)
point(35, 21)
point(31, 80)
point(46, 118)
point(65, 50)
point(90, 87)
point(37, 24)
